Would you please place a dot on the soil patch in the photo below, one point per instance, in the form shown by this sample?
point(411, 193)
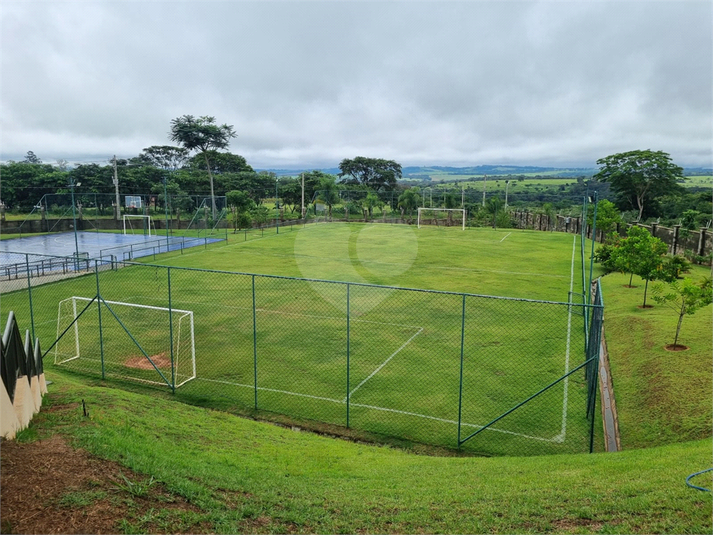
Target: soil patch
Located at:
point(49, 487)
point(677, 347)
point(142, 363)
point(647, 306)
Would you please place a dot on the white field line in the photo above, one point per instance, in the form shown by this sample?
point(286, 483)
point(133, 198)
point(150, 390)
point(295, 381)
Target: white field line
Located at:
point(373, 407)
point(407, 342)
point(563, 432)
point(506, 235)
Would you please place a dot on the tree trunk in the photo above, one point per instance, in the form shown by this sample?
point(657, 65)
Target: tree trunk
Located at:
point(646, 287)
point(631, 277)
point(678, 327)
point(210, 175)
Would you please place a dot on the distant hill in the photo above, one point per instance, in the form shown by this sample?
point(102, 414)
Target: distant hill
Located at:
point(443, 172)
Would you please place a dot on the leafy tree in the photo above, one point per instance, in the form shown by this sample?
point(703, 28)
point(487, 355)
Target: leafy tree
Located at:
point(203, 135)
point(31, 158)
point(643, 254)
point(606, 253)
point(372, 172)
point(685, 298)
point(260, 214)
point(640, 176)
point(608, 216)
point(328, 192)
point(370, 202)
point(24, 185)
point(240, 203)
point(165, 156)
point(450, 201)
point(689, 219)
point(493, 206)
point(409, 200)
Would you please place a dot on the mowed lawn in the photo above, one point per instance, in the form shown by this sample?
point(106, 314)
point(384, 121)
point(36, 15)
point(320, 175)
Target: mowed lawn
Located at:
point(662, 396)
point(502, 262)
point(404, 347)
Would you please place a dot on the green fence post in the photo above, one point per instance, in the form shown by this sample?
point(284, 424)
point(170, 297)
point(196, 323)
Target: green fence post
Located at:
point(29, 294)
point(99, 309)
point(348, 396)
point(170, 330)
point(254, 343)
point(460, 387)
point(594, 239)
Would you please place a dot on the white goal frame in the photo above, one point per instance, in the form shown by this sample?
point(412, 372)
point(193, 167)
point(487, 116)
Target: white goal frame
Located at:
point(182, 314)
point(149, 221)
point(465, 212)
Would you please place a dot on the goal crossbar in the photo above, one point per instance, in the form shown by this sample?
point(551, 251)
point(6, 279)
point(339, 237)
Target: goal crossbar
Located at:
point(441, 210)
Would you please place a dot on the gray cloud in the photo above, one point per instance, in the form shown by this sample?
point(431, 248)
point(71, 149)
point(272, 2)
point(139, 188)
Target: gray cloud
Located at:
point(310, 83)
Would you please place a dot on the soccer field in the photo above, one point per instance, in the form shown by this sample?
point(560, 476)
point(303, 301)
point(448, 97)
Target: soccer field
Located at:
point(431, 364)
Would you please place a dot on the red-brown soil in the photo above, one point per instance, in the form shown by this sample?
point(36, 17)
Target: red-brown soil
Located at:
point(49, 487)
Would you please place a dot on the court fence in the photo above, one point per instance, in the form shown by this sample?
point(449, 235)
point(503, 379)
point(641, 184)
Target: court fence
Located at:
point(487, 375)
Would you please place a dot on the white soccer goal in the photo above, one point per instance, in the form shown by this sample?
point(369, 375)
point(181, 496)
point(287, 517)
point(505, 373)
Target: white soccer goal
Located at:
point(135, 340)
point(424, 212)
point(138, 224)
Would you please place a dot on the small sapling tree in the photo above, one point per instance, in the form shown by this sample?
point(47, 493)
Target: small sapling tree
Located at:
point(685, 298)
point(648, 261)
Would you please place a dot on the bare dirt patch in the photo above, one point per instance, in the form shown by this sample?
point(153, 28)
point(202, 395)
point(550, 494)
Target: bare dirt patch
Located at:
point(49, 487)
point(677, 347)
point(142, 363)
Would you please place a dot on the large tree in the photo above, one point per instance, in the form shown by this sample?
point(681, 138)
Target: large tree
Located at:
point(204, 135)
point(639, 176)
point(165, 156)
point(374, 173)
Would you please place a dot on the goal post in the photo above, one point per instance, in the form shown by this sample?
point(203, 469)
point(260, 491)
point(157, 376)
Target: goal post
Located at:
point(144, 226)
point(144, 343)
point(427, 210)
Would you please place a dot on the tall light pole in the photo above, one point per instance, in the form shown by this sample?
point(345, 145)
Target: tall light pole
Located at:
point(117, 214)
point(277, 209)
point(72, 185)
point(507, 185)
point(165, 205)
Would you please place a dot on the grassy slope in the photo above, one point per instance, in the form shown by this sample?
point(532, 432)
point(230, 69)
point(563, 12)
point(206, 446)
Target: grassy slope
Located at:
point(238, 470)
point(662, 397)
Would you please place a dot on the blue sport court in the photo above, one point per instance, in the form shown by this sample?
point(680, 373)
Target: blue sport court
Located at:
point(93, 245)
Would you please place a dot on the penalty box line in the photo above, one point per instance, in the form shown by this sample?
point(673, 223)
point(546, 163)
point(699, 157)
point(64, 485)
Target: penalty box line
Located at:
point(407, 342)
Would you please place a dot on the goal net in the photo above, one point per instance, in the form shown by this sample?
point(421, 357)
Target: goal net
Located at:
point(137, 342)
point(138, 224)
point(450, 217)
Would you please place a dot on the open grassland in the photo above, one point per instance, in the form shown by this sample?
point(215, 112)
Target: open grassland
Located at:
point(241, 476)
point(662, 396)
point(386, 361)
point(699, 181)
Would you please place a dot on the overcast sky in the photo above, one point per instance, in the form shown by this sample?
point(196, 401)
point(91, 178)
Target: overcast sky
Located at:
point(306, 84)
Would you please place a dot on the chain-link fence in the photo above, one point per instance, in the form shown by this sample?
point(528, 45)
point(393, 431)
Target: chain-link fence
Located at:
point(497, 376)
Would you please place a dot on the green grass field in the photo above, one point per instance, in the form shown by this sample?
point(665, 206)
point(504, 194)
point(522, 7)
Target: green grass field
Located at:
point(404, 347)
